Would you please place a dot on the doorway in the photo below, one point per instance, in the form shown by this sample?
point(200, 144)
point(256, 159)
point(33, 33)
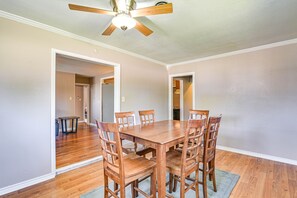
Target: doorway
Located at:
point(178, 99)
point(81, 100)
point(107, 97)
point(181, 95)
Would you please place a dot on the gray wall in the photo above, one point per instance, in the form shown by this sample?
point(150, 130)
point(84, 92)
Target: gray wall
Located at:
point(65, 94)
point(25, 83)
point(256, 93)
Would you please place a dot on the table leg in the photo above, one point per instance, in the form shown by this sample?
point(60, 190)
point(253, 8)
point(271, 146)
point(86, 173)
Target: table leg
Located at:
point(66, 129)
point(76, 125)
point(161, 170)
point(62, 125)
point(72, 125)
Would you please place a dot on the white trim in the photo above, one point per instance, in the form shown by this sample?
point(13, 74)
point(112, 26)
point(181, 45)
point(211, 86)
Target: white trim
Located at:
point(93, 124)
point(117, 86)
point(94, 42)
point(24, 184)
point(253, 49)
point(181, 99)
point(79, 165)
point(170, 78)
point(260, 155)
point(117, 100)
point(88, 110)
point(100, 95)
point(82, 84)
point(53, 112)
point(72, 35)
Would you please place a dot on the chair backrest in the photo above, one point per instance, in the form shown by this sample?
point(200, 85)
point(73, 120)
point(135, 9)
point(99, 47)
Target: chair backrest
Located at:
point(125, 119)
point(147, 117)
point(111, 147)
point(211, 137)
point(193, 143)
point(198, 114)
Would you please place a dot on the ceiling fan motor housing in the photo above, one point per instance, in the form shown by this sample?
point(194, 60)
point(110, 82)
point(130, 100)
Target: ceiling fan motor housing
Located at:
point(161, 3)
point(129, 5)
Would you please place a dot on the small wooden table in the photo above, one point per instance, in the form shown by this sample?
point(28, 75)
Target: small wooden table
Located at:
point(64, 124)
point(160, 136)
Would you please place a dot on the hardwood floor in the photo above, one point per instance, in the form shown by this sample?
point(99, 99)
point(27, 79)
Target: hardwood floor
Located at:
point(258, 178)
point(78, 146)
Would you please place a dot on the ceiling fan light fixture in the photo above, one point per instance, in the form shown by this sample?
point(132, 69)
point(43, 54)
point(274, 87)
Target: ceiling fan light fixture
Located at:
point(124, 21)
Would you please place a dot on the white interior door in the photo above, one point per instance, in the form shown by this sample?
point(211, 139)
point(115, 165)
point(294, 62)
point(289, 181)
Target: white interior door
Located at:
point(107, 102)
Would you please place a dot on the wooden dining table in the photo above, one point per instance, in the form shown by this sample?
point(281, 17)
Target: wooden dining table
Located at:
point(161, 136)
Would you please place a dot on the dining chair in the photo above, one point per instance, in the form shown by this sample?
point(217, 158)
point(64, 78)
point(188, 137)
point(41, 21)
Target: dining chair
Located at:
point(181, 164)
point(147, 117)
point(207, 159)
point(126, 120)
point(198, 114)
point(209, 153)
point(123, 170)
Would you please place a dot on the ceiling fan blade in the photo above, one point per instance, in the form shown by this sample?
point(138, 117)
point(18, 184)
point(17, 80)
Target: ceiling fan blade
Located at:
point(154, 10)
point(90, 9)
point(143, 29)
point(109, 30)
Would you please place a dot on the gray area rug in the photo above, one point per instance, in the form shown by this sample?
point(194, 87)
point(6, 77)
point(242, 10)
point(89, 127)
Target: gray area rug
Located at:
point(226, 181)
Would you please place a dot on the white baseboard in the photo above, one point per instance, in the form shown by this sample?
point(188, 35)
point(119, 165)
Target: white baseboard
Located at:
point(260, 155)
point(78, 165)
point(26, 183)
point(46, 177)
point(92, 124)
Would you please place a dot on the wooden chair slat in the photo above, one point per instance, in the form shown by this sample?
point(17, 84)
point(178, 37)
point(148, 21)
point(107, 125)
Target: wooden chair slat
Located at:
point(123, 170)
point(181, 165)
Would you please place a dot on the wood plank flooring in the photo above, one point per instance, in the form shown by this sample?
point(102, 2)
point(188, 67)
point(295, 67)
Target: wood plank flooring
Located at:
point(78, 146)
point(258, 178)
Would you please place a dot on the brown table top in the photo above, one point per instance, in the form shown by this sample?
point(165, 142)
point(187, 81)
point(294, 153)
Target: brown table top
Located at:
point(161, 132)
point(68, 117)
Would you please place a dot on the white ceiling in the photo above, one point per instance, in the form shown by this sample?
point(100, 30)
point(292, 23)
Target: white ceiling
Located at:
point(81, 67)
point(196, 29)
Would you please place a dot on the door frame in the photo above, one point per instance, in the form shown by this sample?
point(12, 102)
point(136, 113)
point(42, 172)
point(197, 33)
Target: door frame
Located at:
point(181, 99)
point(117, 101)
point(170, 93)
point(88, 109)
point(100, 96)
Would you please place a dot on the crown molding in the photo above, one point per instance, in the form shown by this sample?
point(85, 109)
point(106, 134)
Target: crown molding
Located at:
point(49, 28)
point(90, 41)
point(243, 51)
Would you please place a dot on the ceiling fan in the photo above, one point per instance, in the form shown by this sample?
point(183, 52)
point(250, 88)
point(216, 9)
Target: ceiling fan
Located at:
point(124, 13)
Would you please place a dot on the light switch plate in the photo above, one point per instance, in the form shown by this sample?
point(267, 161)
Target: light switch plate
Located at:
point(123, 99)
